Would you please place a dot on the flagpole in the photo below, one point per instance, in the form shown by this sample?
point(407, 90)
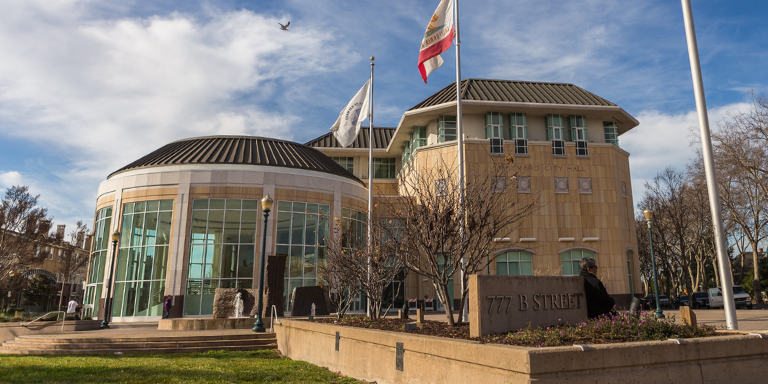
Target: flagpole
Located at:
point(460, 143)
point(370, 183)
point(709, 168)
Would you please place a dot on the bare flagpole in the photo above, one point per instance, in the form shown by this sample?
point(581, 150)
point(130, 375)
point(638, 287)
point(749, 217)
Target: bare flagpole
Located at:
point(370, 183)
point(709, 169)
point(460, 143)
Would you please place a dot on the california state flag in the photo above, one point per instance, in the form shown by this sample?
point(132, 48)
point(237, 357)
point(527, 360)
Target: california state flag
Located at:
point(437, 39)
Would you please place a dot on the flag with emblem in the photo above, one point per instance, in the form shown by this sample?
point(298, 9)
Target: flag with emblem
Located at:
point(347, 126)
point(437, 38)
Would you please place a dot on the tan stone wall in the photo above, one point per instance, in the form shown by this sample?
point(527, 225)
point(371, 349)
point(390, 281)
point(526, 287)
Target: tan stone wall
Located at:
point(371, 355)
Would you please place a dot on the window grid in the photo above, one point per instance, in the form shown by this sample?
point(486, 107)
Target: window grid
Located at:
point(494, 130)
point(301, 234)
point(579, 134)
point(100, 246)
point(221, 251)
point(418, 137)
point(514, 263)
point(142, 258)
point(406, 152)
point(570, 261)
point(518, 131)
point(383, 168)
point(347, 162)
point(556, 134)
point(611, 132)
point(446, 128)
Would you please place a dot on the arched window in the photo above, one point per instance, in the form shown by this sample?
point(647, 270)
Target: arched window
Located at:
point(570, 260)
point(514, 263)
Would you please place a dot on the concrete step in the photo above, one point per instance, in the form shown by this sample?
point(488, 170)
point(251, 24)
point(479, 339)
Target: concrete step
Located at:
point(141, 343)
point(130, 351)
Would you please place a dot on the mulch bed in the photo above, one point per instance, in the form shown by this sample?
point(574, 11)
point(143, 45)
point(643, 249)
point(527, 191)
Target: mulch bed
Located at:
point(429, 328)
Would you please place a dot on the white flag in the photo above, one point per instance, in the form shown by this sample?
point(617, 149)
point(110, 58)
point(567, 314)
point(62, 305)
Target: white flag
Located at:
point(347, 126)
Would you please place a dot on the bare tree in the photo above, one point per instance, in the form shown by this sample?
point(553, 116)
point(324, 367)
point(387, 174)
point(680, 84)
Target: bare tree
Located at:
point(23, 229)
point(71, 259)
point(430, 222)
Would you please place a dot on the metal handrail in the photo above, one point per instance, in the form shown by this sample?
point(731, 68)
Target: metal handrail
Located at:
point(57, 317)
point(274, 319)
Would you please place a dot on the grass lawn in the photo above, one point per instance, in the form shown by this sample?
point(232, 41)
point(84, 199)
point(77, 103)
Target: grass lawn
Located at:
point(210, 367)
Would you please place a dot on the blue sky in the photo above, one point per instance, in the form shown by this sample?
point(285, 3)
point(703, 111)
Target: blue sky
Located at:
point(87, 86)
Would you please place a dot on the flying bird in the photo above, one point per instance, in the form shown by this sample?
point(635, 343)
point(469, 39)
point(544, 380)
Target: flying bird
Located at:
point(284, 27)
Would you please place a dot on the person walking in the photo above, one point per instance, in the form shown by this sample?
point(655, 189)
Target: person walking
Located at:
point(72, 308)
point(598, 301)
point(167, 306)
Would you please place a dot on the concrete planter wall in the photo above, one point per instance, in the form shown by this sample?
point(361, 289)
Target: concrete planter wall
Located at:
point(393, 357)
point(9, 331)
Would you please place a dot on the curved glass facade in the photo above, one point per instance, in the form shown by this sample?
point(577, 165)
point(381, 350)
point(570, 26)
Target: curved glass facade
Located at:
point(301, 232)
point(221, 251)
point(142, 259)
point(98, 258)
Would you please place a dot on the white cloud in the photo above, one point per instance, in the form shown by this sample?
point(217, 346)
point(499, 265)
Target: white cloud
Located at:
point(10, 178)
point(666, 140)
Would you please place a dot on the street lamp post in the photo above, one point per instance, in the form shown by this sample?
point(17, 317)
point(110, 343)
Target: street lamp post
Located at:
point(266, 206)
point(648, 218)
point(108, 301)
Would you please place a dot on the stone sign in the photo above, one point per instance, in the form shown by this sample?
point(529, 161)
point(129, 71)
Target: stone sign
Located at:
point(500, 304)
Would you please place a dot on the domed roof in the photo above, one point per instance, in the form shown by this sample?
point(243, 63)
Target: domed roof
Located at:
point(247, 150)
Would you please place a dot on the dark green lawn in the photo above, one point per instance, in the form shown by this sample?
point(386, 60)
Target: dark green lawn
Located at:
point(210, 367)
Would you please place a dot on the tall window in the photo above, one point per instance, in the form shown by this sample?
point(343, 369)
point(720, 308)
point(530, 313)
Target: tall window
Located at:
point(556, 134)
point(514, 263)
point(383, 168)
point(579, 134)
point(446, 128)
point(406, 152)
point(100, 246)
point(346, 162)
point(221, 250)
point(418, 137)
point(611, 132)
point(142, 259)
point(446, 269)
point(302, 229)
point(518, 131)
point(494, 130)
point(354, 234)
point(570, 260)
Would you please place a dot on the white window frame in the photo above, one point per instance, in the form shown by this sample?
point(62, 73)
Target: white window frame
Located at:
point(556, 134)
point(579, 134)
point(611, 132)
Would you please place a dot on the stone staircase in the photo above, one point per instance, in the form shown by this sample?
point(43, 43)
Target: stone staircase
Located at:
point(92, 343)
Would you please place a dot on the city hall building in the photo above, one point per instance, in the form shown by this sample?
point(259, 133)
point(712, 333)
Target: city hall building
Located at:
point(190, 219)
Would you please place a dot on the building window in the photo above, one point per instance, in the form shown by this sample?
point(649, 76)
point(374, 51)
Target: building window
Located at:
point(556, 134)
point(441, 187)
point(611, 132)
point(383, 168)
point(406, 152)
point(494, 130)
point(442, 264)
point(221, 250)
point(446, 128)
point(101, 242)
point(579, 134)
point(514, 263)
point(418, 137)
point(346, 162)
point(142, 259)
point(58, 255)
point(570, 261)
point(518, 132)
point(301, 233)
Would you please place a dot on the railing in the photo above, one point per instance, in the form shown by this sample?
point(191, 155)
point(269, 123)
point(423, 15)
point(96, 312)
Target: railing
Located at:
point(274, 319)
point(57, 317)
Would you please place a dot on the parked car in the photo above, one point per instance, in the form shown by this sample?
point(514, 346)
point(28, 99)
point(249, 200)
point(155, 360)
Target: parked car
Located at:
point(699, 300)
point(740, 297)
point(650, 300)
point(681, 300)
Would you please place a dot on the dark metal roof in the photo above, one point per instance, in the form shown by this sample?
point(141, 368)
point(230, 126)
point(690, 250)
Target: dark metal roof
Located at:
point(515, 92)
point(247, 150)
point(381, 138)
